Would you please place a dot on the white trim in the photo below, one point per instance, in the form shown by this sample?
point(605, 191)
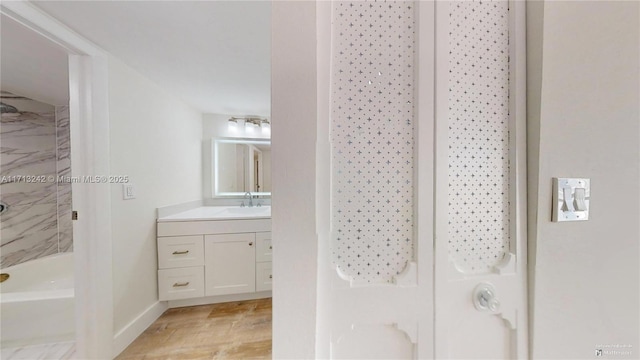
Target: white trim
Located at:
point(323, 179)
point(518, 158)
point(42, 23)
point(137, 326)
point(441, 180)
point(89, 123)
point(218, 299)
point(92, 231)
point(425, 165)
point(294, 177)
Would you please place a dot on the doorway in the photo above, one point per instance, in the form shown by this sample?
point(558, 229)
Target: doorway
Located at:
point(89, 122)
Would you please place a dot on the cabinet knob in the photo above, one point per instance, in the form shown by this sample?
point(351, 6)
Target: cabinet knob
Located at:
point(250, 244)
point(180, 252)
point(181, 284)
point(270, 276)
point(270, 247)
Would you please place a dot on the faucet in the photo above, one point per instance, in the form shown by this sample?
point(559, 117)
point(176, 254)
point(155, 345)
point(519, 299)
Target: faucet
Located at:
point(250, 198)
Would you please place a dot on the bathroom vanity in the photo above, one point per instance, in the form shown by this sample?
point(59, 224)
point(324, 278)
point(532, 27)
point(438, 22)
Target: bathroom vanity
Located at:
point(213, 254)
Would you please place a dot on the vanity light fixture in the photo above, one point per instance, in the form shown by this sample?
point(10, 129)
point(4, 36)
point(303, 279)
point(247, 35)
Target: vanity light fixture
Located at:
point(251, 123)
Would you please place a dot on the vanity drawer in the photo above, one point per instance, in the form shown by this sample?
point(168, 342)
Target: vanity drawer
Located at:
point(180, 251)
point(263, 246)
point(264, 276)
point(181, 283)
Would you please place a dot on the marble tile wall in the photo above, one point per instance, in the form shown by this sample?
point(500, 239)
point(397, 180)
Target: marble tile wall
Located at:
point(29, 142)
point(65, 230)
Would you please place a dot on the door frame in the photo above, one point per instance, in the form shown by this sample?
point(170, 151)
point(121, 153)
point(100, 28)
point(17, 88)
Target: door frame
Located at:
point(89, 126)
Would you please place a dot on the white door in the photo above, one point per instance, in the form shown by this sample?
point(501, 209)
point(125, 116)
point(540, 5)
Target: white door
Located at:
point(376, 231)
point(424, 134)
point(480, 288)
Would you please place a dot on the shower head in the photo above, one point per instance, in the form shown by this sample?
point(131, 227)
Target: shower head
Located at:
point(7, 109)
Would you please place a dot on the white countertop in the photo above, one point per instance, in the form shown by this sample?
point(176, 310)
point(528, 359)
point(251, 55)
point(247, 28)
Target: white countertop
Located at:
point(220, 213)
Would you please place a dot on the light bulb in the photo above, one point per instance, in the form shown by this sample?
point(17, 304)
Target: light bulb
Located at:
point(266, 127)
point(233, 125)
point(249, 126)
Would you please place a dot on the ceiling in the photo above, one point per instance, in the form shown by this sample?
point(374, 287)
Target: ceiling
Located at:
point(31, 65)
point(215, 55)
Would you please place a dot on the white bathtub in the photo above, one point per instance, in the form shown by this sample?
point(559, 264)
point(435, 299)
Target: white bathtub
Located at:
point(37, 302)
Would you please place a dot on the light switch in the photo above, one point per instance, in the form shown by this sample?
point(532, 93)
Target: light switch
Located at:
point(570, 199)
point(127, 192)
point(567, 197)
point(579, 198)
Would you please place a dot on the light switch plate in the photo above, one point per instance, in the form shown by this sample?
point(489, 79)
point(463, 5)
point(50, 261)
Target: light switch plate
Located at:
point(565, 205)
point(127, 192)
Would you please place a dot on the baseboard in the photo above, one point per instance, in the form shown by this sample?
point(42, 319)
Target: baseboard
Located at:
point(132, 330)
point(219, 299)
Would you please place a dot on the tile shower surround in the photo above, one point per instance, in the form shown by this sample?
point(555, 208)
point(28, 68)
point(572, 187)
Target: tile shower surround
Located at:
point(38, 222)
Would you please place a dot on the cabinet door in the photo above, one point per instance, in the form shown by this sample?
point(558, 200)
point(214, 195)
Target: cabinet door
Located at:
point(230, 264)
point(263, 246)
point(264, 276)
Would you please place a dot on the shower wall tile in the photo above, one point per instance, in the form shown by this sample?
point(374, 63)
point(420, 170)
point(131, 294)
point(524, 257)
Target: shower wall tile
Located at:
point(65, 229)
point(32, 233)
point(29, 229)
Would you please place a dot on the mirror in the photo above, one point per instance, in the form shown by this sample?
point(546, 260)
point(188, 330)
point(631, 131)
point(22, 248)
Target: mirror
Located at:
point(241, 165)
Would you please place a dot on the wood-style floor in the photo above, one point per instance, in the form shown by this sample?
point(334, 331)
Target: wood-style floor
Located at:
point(233, 330)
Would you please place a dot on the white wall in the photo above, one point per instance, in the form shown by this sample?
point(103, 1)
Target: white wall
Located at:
point(293, 105)
point(584, 116)
point(156, 141)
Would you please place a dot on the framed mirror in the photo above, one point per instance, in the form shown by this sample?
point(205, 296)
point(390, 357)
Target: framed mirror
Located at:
point(241, 166)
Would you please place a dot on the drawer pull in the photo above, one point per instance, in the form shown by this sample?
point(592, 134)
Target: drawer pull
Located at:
point(250, 244)
point(270, 276)
point(180, 252)
point(181, 284)
point(270, 247)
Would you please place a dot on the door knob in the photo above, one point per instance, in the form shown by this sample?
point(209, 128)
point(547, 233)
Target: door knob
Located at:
point(484, 298)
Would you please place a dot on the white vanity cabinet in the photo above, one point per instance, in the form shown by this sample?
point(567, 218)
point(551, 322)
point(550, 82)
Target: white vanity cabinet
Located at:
point(210, 258)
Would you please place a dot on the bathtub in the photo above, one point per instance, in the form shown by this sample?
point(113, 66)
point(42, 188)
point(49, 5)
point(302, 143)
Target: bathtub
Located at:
point(37, 302)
